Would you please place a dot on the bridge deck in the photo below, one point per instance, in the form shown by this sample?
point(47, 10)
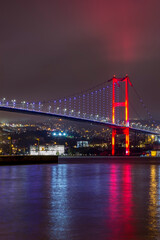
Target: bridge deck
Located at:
point(49, 114)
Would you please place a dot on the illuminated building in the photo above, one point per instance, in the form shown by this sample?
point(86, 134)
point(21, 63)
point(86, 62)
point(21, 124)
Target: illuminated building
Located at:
point(82, 144)
point(47, 150)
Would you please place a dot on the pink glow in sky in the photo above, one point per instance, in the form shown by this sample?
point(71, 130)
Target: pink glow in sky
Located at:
point(77, 44)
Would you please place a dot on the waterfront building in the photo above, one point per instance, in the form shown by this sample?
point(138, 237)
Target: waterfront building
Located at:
point(47, 150)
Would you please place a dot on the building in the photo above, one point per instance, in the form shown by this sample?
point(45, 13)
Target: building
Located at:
point(47, 150)
point(82, 144)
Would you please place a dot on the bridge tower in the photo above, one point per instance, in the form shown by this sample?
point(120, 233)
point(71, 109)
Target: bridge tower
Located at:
point(125, 129)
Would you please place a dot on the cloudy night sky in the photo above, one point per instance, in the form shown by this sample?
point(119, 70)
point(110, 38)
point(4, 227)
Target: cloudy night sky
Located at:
point(50, 49)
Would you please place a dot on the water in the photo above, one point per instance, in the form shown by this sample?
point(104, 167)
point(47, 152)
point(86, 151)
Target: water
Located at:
point(86, 201)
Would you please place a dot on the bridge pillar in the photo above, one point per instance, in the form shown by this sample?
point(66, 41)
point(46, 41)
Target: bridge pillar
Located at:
point(125, 130)
point(127, 141)
point(113, 141)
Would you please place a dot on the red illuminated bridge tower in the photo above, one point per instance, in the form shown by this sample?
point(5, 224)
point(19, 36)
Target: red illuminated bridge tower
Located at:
point(125, 129)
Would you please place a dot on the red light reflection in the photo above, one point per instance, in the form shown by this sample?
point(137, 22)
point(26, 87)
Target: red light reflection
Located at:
point(121, 202)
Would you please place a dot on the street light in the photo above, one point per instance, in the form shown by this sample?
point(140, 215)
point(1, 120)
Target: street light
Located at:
point(49, 108)
point(39, 106)
point(72, 111)
point(32, 105)
point(3, 101)
point(84, 114)
point(13, 102)
point(23, 104)
point(57, 109)
point(65, 111)
point(97, 116)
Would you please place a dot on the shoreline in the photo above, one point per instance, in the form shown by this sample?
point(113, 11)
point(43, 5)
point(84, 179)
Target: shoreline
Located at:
point(27, 159)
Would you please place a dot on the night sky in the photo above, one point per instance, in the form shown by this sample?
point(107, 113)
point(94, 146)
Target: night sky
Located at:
point(55, 48)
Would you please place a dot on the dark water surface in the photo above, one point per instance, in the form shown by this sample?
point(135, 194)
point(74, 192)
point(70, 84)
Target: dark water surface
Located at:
point(80, 201)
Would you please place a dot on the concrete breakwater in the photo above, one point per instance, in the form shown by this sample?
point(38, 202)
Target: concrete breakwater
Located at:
point(20, 160)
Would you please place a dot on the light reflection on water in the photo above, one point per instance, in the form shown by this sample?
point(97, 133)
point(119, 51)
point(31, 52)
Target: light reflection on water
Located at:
point(153, 203)
point(80, 201)
point(120, 202)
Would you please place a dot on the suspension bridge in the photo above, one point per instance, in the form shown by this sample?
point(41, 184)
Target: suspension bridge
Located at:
point(103, 104)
